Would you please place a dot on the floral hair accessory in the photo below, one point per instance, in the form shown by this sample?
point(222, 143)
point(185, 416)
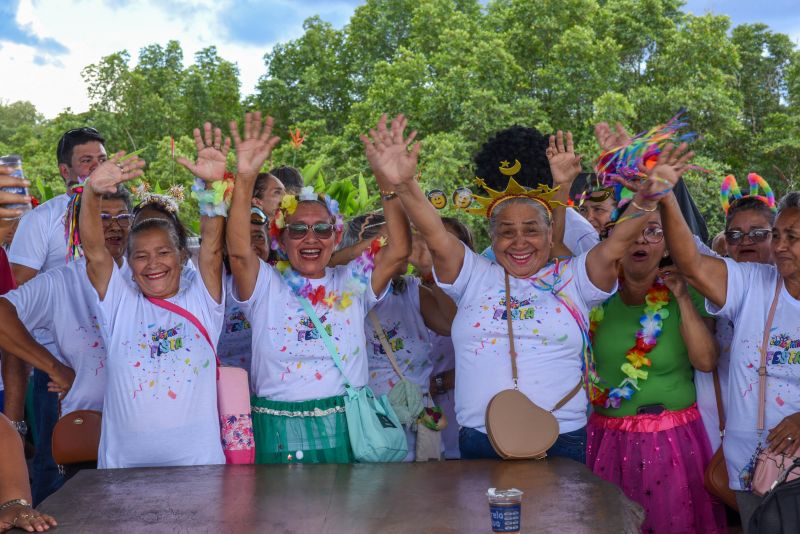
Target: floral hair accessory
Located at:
point(165, 201)
point(729, 191)
point(289, 205)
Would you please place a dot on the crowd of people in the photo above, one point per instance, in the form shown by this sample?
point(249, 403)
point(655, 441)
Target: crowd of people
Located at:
point(599, 301)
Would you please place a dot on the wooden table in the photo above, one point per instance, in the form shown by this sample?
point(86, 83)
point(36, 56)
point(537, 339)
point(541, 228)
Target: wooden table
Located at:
point(561, 496)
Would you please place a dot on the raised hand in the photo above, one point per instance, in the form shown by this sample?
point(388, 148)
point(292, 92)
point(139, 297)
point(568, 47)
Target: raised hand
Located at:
point(387, 151)
point(114, 171)
point(672, 163)
point(211, 157)
point(256, 146)
point(608, 139)
point(565, 166)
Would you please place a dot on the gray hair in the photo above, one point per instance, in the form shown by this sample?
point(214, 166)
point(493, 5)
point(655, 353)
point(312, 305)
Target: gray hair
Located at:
point(789, 201)
point(545, 215)
point(156, 224)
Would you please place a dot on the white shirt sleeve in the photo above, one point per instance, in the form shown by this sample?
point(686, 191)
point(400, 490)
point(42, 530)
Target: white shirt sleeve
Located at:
point(261, 290)
point(579, 234)
point(589, 294)
point(29, 247)
point(742, 278)
point(34, 299)
point(472, 264)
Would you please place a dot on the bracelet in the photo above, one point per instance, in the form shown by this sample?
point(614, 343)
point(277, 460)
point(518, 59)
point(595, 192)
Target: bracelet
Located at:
point(211, 202)
point(15, 502)
point(638, 207)
point(439, 381)
point(388, 195)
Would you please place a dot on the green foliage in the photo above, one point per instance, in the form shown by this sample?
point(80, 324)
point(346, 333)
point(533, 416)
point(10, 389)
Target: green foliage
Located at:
point(460, 70)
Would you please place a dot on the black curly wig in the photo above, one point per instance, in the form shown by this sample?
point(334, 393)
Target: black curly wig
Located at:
point(528, 145)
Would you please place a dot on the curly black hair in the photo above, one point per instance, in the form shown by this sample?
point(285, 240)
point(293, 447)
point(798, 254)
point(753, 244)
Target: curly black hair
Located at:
point(528, 145)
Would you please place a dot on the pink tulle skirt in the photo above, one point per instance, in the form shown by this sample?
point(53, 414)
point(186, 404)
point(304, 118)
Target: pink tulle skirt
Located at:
point(659, 462)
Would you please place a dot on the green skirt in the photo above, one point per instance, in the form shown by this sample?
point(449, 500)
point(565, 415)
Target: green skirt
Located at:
point(308, 432)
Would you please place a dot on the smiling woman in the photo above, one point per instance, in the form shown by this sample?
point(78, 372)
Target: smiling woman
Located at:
point(298, 406)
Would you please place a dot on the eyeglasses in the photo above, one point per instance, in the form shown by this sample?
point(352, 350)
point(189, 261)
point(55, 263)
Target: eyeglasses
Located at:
point(653, 234)
point(257, 216)
point(756, 235)
point(299, 230)
point(123, 219)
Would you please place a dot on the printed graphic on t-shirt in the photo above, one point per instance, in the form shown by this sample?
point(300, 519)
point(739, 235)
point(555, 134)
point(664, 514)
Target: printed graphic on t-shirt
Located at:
point(236, 322)
point(519, 310)
point(306, 331)
point(166, 340)
point(392, 336)
point(783, 350)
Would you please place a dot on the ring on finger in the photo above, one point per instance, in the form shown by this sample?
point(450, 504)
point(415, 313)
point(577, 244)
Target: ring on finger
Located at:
point(218, 147)
point(119, 166)
point(789, 438)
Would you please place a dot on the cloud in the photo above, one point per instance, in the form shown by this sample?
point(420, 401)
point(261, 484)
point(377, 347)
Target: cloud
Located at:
point(254, 22)
point(12, 31)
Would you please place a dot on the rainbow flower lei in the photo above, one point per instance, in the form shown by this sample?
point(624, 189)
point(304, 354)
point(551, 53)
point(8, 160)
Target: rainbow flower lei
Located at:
point(355, 285)
point(652, 322)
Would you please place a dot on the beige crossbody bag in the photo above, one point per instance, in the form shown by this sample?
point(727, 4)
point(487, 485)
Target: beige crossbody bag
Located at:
point(517, 428)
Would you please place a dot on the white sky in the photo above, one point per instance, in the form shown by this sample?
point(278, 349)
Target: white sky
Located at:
point(242, 30)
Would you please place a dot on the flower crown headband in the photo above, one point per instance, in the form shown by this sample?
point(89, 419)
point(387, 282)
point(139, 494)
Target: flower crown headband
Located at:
point(289, 205)
point(165, 201)
point(729, 191)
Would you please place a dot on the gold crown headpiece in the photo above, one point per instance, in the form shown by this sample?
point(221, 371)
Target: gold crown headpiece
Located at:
point(541, 194)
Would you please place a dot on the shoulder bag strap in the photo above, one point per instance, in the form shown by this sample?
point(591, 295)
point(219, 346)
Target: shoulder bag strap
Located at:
point(720, 408)
point(762, 369)
point(376, 325)
point(189, 316)
point(326, 339)
point(511, 350)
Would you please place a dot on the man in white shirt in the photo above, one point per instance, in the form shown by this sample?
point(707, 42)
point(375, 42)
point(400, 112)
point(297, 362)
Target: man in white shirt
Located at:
point(39, 245)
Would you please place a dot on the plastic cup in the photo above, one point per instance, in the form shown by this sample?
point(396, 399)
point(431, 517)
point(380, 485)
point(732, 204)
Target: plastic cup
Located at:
point(505, 509)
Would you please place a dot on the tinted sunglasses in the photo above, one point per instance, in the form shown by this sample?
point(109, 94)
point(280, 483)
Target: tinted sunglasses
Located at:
point(756, 235)
point(75, 132)
point(123, 219)
point(257, 216)
point(300, 230)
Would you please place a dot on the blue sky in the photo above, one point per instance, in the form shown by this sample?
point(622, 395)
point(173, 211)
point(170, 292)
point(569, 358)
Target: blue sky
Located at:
point(44, 44)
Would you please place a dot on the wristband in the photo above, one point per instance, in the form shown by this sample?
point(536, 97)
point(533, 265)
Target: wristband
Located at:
point(388, 195)
point(212, 202)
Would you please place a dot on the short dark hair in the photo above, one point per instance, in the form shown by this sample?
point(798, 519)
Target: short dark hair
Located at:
point(290, 177)
point(120, 194)
point(748, 204)
point(361, 228)
point(261, 184)
point(461, 230)
point(72, 138)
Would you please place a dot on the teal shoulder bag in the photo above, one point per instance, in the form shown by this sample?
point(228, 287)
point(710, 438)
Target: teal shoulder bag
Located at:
point(376, 434)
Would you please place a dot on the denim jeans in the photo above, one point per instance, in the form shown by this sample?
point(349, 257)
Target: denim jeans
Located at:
point(474, 445)
point(45, 475)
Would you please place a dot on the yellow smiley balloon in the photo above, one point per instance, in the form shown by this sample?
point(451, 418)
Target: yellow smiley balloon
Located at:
point(437, 198)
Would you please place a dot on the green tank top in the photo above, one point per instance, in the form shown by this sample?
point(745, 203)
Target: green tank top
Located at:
point(670, 378)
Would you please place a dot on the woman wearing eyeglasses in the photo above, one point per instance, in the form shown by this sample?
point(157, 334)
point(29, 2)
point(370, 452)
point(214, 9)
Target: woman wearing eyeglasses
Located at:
point(298, 404)
point(748, 237)
point(646, 434)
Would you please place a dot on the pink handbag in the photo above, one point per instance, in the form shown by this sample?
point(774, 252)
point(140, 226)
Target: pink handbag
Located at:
point(769, 466)
point(233, 398)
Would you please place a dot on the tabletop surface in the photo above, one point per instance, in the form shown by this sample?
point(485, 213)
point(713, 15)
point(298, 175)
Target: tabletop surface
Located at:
point(434, 497)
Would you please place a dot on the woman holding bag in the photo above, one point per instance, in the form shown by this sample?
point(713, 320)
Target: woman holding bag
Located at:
point(763, 303)
point(544, 304)
point(160, 407)
point(308, 320)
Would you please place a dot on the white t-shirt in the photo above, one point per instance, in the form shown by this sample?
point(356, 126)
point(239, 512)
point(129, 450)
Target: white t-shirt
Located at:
point(290, 362)
point(751, 287)
point(579, 234)
point(64, 302)
point(704, 384)
point(547, 337)
point(408, 336)
point(235, 341)
point(160, 407)
point(39, 243)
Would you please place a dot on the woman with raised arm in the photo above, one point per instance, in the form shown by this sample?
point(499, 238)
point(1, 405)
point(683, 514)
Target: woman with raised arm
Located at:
point(548, 302)
point(298, 403)
point(744, 293)
point(647, 339)
point(160, 407)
